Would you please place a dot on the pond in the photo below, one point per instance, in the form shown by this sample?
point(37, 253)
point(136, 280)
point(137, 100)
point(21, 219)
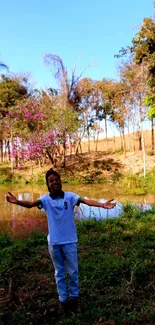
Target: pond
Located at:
point(19, 221)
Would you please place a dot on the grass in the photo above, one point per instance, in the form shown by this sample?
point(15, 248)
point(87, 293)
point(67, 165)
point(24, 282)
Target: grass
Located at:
point(138, 185)
point(116, 271)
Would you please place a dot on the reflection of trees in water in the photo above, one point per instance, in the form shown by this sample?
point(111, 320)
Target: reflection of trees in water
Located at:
point(13, 218)
point(28, 224)
point(21, 221)
point(87, 212)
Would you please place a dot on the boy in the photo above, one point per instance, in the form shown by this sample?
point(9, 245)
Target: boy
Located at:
point(62, 237)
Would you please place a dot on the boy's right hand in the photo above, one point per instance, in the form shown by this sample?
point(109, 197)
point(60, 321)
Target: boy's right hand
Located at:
point(11, 198)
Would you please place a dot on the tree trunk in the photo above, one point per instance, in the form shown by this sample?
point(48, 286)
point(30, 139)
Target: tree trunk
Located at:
point(16, 159)
point(152, 135)
point(70, 147)
point(31, 168)
point(9, 150)
point(139, 134)
point(128, 136)
point(7, 155)
point(121, 140)
point(140, 142)
point(64, 156)
point(50, 157)
point(88, 142)
point(114, 140)
point(78, 144)
point(96, 147)
point(106, 134)
point(1, 145)
point(142, 138)
point(11, 143)
point(39, 163)
point(133, 154)
point(124, 144)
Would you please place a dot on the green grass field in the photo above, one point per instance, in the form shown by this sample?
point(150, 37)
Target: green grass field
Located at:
point(116, 272)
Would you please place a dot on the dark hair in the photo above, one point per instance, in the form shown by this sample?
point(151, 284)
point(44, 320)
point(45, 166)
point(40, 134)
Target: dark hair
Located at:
point(51, 172)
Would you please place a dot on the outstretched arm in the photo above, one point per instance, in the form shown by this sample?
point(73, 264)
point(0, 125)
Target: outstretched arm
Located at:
point(106, 205)
point(27, 204)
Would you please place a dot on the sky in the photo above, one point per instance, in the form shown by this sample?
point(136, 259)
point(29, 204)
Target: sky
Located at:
point(83, 33)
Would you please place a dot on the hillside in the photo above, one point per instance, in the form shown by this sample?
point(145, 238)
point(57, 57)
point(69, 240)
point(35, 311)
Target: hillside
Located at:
point(100, 165)
point(93, 167)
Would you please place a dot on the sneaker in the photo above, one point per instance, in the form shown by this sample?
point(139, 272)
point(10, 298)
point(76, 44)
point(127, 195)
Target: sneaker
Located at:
point(73, 305)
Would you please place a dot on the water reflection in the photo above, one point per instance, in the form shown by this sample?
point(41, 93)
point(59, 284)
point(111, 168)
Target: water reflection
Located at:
point(20, 221)
point(85, 212)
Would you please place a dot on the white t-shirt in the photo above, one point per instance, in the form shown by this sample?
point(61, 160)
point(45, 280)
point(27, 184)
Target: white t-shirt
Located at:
point(60, 217)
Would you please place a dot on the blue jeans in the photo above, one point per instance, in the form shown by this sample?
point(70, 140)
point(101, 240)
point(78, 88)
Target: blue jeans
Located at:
point(64, 258)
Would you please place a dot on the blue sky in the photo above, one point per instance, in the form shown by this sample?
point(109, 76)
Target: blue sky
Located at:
point(89, 32)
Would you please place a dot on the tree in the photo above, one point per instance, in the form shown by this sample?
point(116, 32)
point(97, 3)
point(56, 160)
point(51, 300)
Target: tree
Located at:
point(12, 89)
point(143, 54)
point(104, 102)
point(3, 66)
point(68, 89)
point(25, 120)
point(134, 76)
point(150, 102)
point(62, 119)
point(86, 88)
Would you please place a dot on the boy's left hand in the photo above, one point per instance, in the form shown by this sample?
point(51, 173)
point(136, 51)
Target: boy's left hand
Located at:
point(109, 205)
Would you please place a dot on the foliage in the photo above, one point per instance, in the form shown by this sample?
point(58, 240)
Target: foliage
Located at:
point(130, 211)
point(33, 133)
point(138, 185)
point(143, 49)
point(149, 101)
point(11, 90)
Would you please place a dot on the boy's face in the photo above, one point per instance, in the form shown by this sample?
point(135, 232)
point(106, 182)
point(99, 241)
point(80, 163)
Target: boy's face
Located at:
point(54, 183)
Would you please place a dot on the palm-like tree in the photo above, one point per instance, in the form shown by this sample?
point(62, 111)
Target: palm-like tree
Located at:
point(68, 89)
point(68, 94)
point(3, 66)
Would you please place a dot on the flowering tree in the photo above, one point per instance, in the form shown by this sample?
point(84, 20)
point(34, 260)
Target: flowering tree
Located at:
point(26, 122)
point(36, 132)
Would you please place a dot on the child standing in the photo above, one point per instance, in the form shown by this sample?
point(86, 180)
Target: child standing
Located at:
point(62, 235)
